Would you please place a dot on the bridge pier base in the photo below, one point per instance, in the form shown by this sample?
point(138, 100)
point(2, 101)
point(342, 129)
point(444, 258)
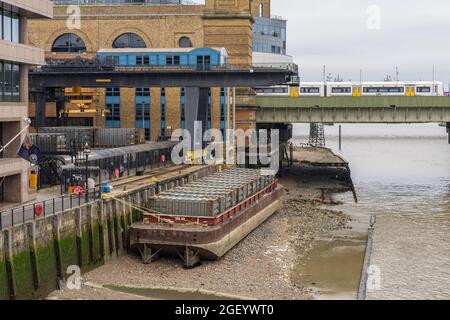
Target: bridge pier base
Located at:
point(41, 99)
point(448, 131)
point(196, 110)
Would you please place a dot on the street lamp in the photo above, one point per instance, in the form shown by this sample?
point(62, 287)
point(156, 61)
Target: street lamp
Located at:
point(87, 152)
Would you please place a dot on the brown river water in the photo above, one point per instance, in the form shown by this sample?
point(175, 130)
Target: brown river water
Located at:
point(402, 176)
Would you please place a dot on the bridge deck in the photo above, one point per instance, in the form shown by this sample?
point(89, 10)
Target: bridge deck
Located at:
point(353, 109)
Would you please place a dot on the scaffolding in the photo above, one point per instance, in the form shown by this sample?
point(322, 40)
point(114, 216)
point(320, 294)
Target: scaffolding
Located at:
point(317, 135)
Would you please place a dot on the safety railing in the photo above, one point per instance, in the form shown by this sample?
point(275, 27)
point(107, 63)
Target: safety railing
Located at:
point(125, 2)
point(42, 209)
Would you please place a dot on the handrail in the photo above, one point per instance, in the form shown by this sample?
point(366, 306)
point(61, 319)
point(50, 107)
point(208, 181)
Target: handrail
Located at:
point(50, 207)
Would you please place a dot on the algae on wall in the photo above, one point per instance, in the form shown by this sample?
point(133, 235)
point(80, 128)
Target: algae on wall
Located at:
point(41, 251)
point(4, 295)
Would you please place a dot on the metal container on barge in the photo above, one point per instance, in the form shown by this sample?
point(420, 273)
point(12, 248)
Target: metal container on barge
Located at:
point(206, 218)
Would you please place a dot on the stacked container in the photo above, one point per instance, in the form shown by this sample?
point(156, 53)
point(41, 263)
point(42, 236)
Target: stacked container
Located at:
point(211, 195)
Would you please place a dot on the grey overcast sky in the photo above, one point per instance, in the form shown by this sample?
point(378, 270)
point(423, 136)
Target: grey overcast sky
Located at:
point(375, 36)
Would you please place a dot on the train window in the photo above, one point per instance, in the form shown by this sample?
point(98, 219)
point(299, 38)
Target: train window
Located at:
point(423, 89)
point(341, 90)
point(113, 59)
point(173, 60)
point(370, 90)
point(310, 90)
point(142, 60)
point(281, 90)
point(383, 89)
point(204, 60)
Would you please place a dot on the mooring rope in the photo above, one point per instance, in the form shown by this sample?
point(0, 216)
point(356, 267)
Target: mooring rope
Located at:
point(154, 214)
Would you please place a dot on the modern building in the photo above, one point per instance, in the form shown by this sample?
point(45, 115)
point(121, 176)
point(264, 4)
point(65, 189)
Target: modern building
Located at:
point(108, 24)
point(269, 34)
point(16, 55)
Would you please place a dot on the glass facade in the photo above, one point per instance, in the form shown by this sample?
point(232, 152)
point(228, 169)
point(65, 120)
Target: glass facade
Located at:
point(269, 35)
point(9, 82)
point(143, 110)
point(10, 23)
point(112, 100)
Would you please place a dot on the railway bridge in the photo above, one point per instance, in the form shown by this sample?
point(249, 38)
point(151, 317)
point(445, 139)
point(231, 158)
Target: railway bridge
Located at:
point(279, 111)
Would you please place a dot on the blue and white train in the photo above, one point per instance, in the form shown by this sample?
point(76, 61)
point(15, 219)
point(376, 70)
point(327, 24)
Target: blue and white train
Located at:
point(193, 58)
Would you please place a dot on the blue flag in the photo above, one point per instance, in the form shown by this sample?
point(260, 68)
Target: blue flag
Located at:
point(30, 152)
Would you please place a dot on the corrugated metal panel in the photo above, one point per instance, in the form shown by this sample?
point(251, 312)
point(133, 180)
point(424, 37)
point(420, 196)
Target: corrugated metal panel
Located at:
point(211, 195)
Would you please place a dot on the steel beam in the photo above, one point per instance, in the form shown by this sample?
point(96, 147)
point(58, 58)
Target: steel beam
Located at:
point(146, 79)
point(353, 110)
point(41, 99)
point(448, 131)
point(353, 115)
point(196, 109)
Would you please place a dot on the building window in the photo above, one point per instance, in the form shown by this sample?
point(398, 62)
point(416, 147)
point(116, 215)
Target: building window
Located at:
point(163, 110)
point(261, 10)
point(112, 100)
point(9, 82)
point(209, 109)
point(129, 40)
point(9, 23)
point(183, 108)
point(185, 42)
point(143, 110)
point(69, 43)
point(223, 112)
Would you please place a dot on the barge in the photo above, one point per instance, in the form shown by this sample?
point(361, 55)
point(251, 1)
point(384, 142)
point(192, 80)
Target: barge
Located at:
point(206, 218)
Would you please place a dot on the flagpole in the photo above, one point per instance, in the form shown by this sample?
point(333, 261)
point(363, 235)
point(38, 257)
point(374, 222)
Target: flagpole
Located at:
point(2, 148)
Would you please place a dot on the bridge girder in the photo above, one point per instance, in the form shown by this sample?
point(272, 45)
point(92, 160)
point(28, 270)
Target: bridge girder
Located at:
point(353, 110)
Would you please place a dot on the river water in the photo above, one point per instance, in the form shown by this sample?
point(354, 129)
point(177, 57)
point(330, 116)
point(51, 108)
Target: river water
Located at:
point(402, 176)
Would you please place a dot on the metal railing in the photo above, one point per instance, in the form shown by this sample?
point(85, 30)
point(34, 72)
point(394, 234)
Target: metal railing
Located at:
point(42, 209)
point(106, 64)
point(124, 2)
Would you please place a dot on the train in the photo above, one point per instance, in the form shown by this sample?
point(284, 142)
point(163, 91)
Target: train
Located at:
point(356, 89)
point(192, 58)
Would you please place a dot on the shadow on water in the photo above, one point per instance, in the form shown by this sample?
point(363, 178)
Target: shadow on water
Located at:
point(332, 268)
point(172, 294)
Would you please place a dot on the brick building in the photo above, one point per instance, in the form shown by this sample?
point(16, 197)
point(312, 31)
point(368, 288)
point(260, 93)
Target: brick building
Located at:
point(151, 24)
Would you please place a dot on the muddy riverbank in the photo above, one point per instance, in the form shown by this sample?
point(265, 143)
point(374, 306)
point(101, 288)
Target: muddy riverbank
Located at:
point(263, 266)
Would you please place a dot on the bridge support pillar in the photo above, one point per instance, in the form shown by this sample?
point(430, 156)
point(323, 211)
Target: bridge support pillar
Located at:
point(41, 99)
point(196, 110)
point(448, 131)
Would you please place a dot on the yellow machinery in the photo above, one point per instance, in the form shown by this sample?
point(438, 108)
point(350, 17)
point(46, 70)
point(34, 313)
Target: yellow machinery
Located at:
point(81, 101)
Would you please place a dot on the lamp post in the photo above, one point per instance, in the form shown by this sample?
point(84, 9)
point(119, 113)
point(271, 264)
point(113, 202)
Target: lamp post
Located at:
point(87, 152)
